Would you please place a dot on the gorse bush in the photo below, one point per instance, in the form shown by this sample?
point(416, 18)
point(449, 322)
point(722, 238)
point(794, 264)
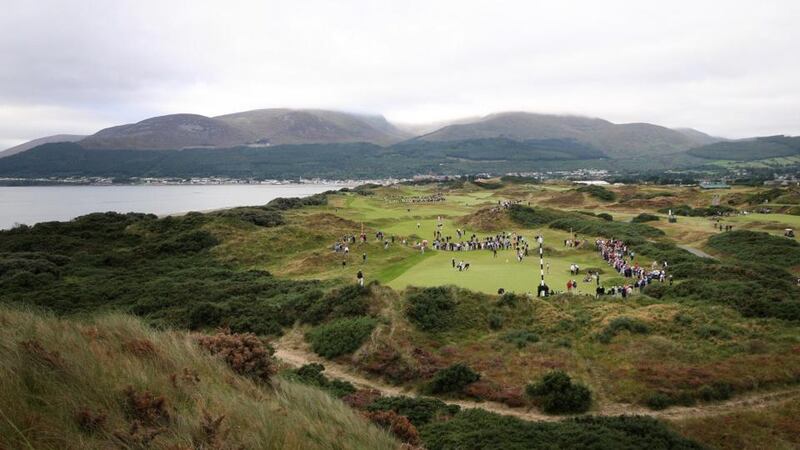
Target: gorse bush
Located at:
point(157, 268)
point(736, 286)
point(757, 247)
point(311, 374)
point(496, 321)
point(686, 210)
point(340, 336)
point(520, 338)
point(598, 192)
point(431, 309)
point(452, 379)
point(419, 410)
point(534, 217)
point(349, 301)
point(622, 324)
point(510, 300)
point(645, 217)
point(716, 391)
point(262, 217)
point(481, 430)
point(557, 394)
point(298, 202)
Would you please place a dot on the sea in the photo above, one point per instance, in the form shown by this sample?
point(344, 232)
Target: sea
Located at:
point(33, 204)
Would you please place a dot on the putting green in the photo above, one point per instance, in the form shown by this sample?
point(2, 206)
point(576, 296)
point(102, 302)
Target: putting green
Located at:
point(488, 274)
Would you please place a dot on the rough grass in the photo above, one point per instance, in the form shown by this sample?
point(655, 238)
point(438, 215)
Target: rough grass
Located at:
point(113, 382)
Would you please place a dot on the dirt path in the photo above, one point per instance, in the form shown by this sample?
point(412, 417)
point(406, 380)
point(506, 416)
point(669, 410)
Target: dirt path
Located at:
point(294, 352)
point(696, 252)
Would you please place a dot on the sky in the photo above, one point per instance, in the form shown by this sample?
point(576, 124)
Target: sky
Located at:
point(728, 68)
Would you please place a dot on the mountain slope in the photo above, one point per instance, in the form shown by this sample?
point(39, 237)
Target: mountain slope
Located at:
point(37, 142)
point(173, 132)
point(287, 126)
point(112, 382)
point(749, 149)
point(617, 141)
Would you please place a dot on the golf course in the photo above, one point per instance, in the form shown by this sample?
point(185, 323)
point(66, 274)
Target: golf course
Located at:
point(428, 292)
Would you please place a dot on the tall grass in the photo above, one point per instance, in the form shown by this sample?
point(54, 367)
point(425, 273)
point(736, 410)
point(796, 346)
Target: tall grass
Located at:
point(53, 369)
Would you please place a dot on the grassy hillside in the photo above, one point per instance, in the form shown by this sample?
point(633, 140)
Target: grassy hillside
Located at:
point(112, 382)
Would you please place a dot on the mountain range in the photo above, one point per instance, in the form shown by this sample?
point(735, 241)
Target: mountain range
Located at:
point(281, 143)
point(266, 127)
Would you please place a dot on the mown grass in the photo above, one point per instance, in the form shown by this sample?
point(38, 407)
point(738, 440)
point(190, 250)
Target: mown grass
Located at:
point(83, 368)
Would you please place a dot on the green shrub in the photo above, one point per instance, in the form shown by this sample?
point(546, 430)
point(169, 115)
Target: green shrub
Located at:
point(261, 217)
point(311, 374)
point(340, 336)
point(349, 301)
point(419, 410)
point(296, 203)
point(530, 217)
point(431, 309)
point(757, 247)
point(477, 429)
point(712, 331)
point(496, 321)
point(520, 338)
point(622, 324)
point(452, 379)
point(557, 394)
point(716, 392)
point(733, 285)
point(509, 299)
point(658, 401)
point(645, 217)
point(606, 216)
point(205, 315)
point(598, 192)
point(686, 210)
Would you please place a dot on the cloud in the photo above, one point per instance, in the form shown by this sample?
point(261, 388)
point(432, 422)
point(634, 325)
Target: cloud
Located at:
point(723, 67)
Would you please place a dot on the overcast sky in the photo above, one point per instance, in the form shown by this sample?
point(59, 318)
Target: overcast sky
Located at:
point(729, 68)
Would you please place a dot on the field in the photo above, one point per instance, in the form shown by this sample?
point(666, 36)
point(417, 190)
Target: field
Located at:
point(718, 345)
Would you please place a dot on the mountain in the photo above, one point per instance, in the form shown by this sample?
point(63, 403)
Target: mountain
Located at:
point(257, 127)
point(418, 129)
point(288, 126)
point(615, 140)
point(174, 131)
point(698, 137)
point(37, 142)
